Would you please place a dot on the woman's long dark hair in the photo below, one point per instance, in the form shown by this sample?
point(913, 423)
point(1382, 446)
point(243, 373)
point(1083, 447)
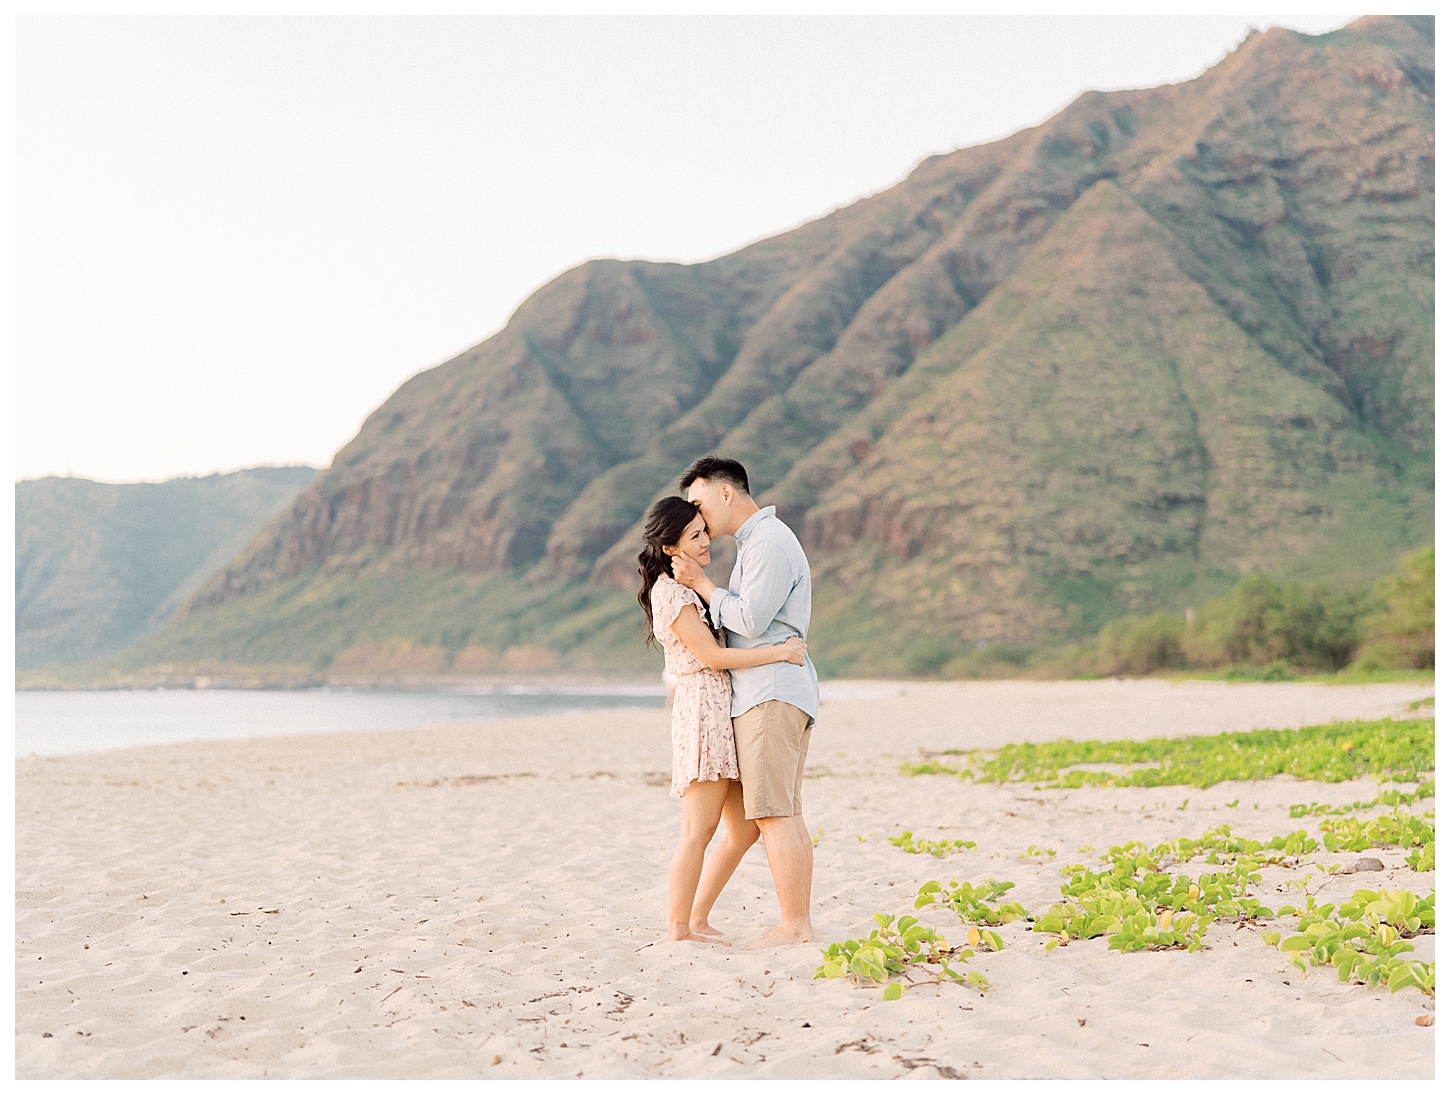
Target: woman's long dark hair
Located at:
point(664, 524)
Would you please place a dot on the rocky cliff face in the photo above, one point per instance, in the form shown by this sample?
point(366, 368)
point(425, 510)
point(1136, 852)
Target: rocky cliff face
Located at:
point(1171, 333)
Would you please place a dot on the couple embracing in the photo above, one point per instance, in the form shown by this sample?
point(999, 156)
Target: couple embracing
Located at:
point(746, 698)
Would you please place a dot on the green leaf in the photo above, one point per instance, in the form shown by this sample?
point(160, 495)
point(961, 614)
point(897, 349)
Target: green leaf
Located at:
point(893, 991)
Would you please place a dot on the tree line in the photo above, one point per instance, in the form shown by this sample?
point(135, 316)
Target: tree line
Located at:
point(1287, 626)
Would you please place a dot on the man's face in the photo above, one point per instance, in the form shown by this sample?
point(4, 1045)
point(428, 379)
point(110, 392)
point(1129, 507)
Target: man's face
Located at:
point(712, 499)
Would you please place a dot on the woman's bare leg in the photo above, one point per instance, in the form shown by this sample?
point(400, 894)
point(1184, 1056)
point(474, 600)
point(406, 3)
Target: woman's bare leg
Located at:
point(740, 834)
point(703, 803)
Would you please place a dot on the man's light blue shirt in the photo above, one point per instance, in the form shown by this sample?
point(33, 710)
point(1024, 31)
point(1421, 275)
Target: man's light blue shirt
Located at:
point(768, 601)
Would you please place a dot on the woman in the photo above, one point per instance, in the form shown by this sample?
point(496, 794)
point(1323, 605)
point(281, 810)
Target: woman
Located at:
point(704, 769)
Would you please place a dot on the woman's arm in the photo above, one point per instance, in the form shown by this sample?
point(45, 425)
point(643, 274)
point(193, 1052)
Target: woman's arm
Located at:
point(700, 641)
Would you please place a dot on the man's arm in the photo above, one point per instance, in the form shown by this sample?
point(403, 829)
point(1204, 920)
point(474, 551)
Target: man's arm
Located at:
point(765, 583)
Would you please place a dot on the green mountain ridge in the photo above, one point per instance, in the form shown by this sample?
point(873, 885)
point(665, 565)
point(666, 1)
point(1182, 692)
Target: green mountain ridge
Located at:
point(1145, 398)
point(1106, 365)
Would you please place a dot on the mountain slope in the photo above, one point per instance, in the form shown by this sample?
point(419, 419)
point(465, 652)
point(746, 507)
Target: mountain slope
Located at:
point(1117, 432)
point(1169, 336)
point(98, 565)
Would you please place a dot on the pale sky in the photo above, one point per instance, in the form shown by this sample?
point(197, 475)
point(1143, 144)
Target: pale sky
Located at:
point(236, 236)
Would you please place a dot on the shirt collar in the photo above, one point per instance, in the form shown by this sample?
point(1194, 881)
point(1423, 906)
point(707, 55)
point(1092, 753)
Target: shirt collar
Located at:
point(743, 532)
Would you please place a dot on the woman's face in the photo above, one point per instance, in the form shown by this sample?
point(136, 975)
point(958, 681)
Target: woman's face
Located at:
point(694, 543)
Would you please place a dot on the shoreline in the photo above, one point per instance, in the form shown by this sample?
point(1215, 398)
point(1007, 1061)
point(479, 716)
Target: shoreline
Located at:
point(58, 724)
point(310, 681)
point(264, 680)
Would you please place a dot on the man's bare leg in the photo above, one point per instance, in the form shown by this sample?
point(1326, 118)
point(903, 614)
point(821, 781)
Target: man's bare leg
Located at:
point(701, 814)
point(792, 860)
point(740, 834)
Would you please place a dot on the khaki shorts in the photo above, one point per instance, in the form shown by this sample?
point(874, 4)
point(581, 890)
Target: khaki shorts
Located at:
point(771, 740)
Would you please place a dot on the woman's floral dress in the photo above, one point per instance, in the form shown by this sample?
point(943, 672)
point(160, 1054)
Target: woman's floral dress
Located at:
point(702, 740)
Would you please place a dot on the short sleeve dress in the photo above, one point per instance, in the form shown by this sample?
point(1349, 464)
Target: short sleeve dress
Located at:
point(701, 738)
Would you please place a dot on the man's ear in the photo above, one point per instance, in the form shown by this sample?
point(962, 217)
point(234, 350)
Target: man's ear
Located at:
point(727, 493)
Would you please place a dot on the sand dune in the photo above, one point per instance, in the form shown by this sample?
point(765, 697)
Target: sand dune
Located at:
point(487, 901)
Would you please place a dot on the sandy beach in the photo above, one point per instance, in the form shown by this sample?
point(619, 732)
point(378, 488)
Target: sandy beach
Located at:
point(488, 901)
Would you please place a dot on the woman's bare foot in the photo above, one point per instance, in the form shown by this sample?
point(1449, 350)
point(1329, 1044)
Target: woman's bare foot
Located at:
point(781, 936)
point(704, 929)
point(695, 937)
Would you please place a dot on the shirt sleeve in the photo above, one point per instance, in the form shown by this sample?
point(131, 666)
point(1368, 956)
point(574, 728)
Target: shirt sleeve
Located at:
point(765, 583)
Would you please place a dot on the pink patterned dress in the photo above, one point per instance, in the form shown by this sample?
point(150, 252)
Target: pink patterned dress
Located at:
point(702, 740)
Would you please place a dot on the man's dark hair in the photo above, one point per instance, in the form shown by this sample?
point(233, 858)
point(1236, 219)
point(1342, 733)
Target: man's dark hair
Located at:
point(712, 468)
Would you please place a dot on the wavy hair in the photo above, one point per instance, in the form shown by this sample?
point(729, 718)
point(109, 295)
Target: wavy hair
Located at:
point(664, 524)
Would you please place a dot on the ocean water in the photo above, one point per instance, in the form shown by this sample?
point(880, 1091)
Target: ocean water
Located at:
point(52, 724)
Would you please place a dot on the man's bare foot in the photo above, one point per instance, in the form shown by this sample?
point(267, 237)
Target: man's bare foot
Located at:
point(782, 936)
point(696, 937)
point(703, 929)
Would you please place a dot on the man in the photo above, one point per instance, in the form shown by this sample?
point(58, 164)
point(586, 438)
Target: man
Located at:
point(774, 706)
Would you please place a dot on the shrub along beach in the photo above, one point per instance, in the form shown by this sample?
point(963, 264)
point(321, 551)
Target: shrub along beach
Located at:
point(1265, 629)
